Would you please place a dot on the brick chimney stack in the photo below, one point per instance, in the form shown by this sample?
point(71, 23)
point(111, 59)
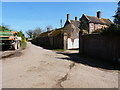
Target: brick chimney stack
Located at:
point(48, 28)
point(68, 17)
point(99, 14)
point(76, 18)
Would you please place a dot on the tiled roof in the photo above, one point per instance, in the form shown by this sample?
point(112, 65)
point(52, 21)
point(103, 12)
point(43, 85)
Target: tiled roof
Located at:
point(98, 20)
point(44, 34)
point(75, 23)
point(52, 33)
point(56, 32)
point(106, 21)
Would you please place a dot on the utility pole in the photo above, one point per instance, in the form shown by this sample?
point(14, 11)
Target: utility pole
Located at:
point(61, 23)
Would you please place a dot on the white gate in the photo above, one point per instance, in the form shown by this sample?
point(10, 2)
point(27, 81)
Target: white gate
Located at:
point(73, 45)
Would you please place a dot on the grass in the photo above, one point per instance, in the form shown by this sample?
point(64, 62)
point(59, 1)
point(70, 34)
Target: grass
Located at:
point(59, 49)
point(74, 50)
point(24, 44)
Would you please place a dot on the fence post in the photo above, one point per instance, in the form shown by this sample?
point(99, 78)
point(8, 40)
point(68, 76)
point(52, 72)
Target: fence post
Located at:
point(80, 43)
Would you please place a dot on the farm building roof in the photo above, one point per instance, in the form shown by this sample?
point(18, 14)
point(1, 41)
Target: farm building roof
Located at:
point(44, 34)
point(56, 32)
point(52, 33)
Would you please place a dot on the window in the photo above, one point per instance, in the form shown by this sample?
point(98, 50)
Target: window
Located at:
point(98, 25)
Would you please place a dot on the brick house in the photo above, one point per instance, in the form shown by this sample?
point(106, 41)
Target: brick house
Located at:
point(95, 23)
point(61, 38)
point(72, 30)
point(67, 37)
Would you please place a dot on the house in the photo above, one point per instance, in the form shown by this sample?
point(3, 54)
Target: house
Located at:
point(72, 30)
point(91, 23)
point(66, 37)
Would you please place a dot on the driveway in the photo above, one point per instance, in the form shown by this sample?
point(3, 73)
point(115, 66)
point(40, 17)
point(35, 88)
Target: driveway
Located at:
point(35, 67)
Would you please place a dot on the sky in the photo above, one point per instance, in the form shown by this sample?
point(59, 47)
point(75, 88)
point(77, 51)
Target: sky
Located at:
point(30, 15)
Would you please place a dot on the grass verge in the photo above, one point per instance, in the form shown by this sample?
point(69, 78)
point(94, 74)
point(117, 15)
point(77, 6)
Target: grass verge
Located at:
point(24, 44)
point(59, 50)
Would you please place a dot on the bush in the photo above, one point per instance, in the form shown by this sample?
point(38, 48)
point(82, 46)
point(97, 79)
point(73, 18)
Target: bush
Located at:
point(112, 30)
point(84, 31)
point(20, 34)
point(97, 31)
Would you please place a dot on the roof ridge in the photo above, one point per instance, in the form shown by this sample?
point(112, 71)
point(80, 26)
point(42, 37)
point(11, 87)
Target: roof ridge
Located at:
point(73, 20)
point(104, 18)
point(86, 16)
point(92, 16)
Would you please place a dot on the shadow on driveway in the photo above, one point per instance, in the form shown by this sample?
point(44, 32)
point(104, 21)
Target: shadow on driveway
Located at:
point(75, 57)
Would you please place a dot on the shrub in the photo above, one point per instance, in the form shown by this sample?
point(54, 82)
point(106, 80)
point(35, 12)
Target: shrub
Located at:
point(84, 31)
point(97, 31)
point(112, 30)
point(20, 34)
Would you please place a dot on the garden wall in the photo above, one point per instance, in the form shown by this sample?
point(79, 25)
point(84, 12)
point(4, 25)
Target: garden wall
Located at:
point(56, 42)
point(100, 46)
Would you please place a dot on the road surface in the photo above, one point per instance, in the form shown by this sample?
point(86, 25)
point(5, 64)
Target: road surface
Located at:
point(35, 67)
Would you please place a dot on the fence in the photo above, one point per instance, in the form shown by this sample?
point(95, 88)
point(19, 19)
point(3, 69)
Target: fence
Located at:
point(56, 42)
point(106, 47)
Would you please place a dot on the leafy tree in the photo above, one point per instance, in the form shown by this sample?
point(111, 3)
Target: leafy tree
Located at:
point(4, 27)
point(84, 26)
point(117, 16)
point(20, 34)
point(112, 30)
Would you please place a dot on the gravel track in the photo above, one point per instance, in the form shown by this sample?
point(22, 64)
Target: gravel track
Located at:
point(35, 67)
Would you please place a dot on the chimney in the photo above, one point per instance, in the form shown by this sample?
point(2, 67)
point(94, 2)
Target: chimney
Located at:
point(76, 18)
point(99, 14)
point(48, 28)
point(68, 17)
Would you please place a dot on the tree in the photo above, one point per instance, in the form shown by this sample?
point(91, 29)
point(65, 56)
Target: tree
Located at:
point(36, 32)
point(4, 27)
point(29, 33)
point(20, 34)
point(84, 26)
point(117, 16)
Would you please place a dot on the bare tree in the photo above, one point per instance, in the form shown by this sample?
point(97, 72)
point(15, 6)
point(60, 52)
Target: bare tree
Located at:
point(29, 33)
point(37, 32)
point(34, 33)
